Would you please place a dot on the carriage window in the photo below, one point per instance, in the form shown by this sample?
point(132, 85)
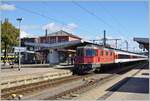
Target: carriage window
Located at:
point(101, 53)
point(123, 56)
point(110, 53)
point(106, 53)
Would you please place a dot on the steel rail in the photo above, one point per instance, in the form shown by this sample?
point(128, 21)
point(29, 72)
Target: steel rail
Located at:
point(87, 86)
point(34, 87)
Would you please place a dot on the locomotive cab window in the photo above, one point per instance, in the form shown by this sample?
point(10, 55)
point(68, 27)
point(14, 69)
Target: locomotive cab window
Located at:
point(80, 52)
point(91, 52)
point(110, 53)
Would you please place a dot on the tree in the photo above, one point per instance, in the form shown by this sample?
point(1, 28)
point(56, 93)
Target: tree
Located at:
point(9, 37)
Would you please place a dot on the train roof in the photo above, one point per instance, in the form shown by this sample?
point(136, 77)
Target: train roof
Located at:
point(110, 48)
point(124, 51)
point(119, 51)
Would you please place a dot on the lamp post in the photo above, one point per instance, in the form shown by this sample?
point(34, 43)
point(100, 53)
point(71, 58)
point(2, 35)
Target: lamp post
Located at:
point(19, 20)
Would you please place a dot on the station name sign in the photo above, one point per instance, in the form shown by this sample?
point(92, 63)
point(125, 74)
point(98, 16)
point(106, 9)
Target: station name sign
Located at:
point(20, 49)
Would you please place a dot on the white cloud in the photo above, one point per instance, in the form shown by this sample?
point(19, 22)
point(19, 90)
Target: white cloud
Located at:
point(53, 27)
point(7, 7)
point(70, 27)
point(30, 27)
point(25, 34)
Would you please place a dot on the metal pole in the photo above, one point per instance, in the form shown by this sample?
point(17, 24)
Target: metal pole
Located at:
point(19, 49)
point(104, 41)
point(19, 20)
point(116, 43)
point(126, 44)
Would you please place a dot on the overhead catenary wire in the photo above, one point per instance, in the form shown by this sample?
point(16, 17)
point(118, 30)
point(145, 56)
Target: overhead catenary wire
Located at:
point(36, 13)
point(50, 18)
point(120, 25)
point(97, 17)
point(93, 14)
point(44, 3)
point(56, 20)
point(44, 16)
point(114, 18)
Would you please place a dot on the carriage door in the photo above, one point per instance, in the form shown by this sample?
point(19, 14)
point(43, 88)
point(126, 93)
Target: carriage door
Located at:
point(96, 60)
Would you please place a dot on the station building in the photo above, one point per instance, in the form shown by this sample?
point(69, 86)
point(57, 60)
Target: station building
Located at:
point(52, 48)
point(58, 54)
point(56, 37)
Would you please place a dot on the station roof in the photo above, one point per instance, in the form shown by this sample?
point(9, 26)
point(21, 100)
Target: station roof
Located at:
point(67, 44)
point(63, 33)
point(143, 43)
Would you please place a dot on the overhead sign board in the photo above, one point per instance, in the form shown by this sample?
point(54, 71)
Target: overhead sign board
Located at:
point(20, 49)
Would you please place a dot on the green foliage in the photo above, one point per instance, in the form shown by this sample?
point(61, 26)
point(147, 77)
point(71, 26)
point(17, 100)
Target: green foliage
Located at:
point(9, 36)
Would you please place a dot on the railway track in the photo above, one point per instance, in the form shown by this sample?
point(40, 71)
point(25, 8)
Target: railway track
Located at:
point(74, 92)
point(35, 87)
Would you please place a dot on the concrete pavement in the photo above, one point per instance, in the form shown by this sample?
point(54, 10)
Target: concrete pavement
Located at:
point(124, 87)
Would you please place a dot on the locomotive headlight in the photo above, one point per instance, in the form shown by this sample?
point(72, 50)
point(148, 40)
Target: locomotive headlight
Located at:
point(82, 41)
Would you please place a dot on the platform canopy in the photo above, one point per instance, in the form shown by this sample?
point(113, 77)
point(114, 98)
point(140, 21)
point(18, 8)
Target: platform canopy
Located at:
point(68, 44)
point(143, 43)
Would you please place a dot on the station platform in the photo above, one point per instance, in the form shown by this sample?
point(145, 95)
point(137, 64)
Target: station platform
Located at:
point(12, 77)
point(61, 65)
point(7, 66)
point(133, 88)
point(133, 85)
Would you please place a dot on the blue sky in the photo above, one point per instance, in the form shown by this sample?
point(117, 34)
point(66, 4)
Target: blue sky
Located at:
point(123, 20)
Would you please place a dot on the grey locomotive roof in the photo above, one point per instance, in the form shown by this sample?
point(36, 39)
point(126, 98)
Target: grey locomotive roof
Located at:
point(109, 48)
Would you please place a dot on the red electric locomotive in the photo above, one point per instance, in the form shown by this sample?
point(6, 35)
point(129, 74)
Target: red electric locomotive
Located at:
point(90, 58)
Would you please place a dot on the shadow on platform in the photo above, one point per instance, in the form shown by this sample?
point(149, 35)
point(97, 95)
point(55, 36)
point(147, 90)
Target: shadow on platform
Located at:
point(131, 85)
